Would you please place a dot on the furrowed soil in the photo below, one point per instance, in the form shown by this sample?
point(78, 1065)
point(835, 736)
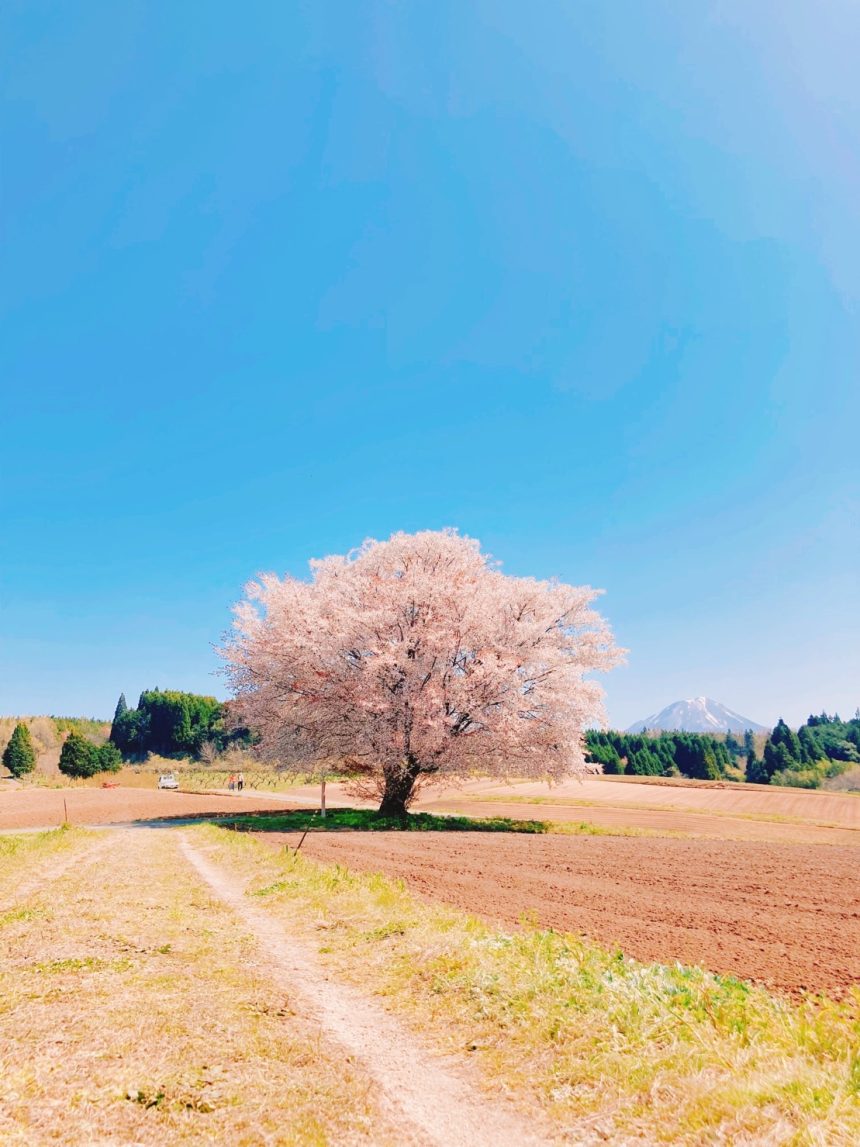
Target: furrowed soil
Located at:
point(716, 825)
point(715, 809)
point(675, 792)
point(784, 915)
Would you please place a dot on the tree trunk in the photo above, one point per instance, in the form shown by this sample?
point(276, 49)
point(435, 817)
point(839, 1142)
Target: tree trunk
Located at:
point(397, 794)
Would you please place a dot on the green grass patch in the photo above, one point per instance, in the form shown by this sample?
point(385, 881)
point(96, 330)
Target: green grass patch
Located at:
point(81, 964)
point(367, 820)
point(20, 915)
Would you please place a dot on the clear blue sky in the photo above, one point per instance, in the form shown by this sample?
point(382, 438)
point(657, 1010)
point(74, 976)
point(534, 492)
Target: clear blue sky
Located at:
point(582, 279)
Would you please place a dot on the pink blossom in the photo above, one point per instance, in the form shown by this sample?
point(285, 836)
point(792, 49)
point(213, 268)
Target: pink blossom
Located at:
point(417, 659)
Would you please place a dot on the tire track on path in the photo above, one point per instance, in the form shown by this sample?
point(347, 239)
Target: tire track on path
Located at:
point(422, 1092)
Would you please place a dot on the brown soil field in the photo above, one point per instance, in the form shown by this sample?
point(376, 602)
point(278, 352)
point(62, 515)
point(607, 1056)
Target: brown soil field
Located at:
point(784, 915)
point(695, 809)
point(38, 808)
point(692, 808)
point(720, 826)
point(698, 808)
point(666, 793)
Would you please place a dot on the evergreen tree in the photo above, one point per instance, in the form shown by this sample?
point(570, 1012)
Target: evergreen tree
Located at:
point(78, 758)
point(809, 746)
point(117, 729)
point(663, 748)
point(733, 745)
point(757, 774)
point(612, 763)
point(778, 760)
point(783, 735)
point(722, 754)
point(749, 742)
point(604, 755)
point(19, 756)
point(709, 764)
point(109, 758)
point(770, 762)
point(644, 763)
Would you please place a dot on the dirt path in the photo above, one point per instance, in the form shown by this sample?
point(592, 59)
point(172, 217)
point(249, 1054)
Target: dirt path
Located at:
point(785, 915)
point(420, 1090)
point(134, 1012)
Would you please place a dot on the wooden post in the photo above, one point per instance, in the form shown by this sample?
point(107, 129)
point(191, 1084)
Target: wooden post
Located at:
point(322, 797)
point(65, 812)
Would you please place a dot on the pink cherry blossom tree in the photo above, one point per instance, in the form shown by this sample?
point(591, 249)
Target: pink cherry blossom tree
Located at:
point(418, 660)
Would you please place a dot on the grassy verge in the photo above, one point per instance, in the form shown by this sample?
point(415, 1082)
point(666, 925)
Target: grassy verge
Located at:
point(368, 820)
point(19, 853)
point(133, 1010)
point(611, 1049)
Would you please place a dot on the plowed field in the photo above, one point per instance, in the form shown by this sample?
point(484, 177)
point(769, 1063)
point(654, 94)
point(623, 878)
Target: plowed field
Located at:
point(41, 808)
point(785, 915)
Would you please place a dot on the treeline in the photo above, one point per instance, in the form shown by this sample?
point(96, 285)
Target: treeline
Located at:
point(78, 756)
point(697, 755)
point(174, 724)
point(823, 747)
point(90, 727)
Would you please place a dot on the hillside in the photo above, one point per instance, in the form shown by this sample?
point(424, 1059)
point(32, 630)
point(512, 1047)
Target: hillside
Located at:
point(48, 734)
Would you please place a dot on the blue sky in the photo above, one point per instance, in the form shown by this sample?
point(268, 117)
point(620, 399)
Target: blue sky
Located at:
point(580, 279)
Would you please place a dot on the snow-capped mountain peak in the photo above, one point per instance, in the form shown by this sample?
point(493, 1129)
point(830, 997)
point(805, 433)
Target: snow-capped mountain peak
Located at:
point(697, 715)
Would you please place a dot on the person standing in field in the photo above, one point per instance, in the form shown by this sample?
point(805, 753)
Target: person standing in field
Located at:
point(240, 781)
point(231, 782)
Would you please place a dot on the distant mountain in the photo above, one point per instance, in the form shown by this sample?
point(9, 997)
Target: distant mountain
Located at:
point(697, 715)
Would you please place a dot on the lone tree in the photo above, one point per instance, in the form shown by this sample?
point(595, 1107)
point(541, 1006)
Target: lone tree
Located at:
point(19, 756)
point(416, 659)
point(78, 758)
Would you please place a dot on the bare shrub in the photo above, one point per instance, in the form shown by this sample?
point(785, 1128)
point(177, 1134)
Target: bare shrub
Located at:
point(208, 753)
point(846, 782)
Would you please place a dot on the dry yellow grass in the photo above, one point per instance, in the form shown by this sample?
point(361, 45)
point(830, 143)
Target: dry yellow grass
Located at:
point(19, 853)
point(133, 1010)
